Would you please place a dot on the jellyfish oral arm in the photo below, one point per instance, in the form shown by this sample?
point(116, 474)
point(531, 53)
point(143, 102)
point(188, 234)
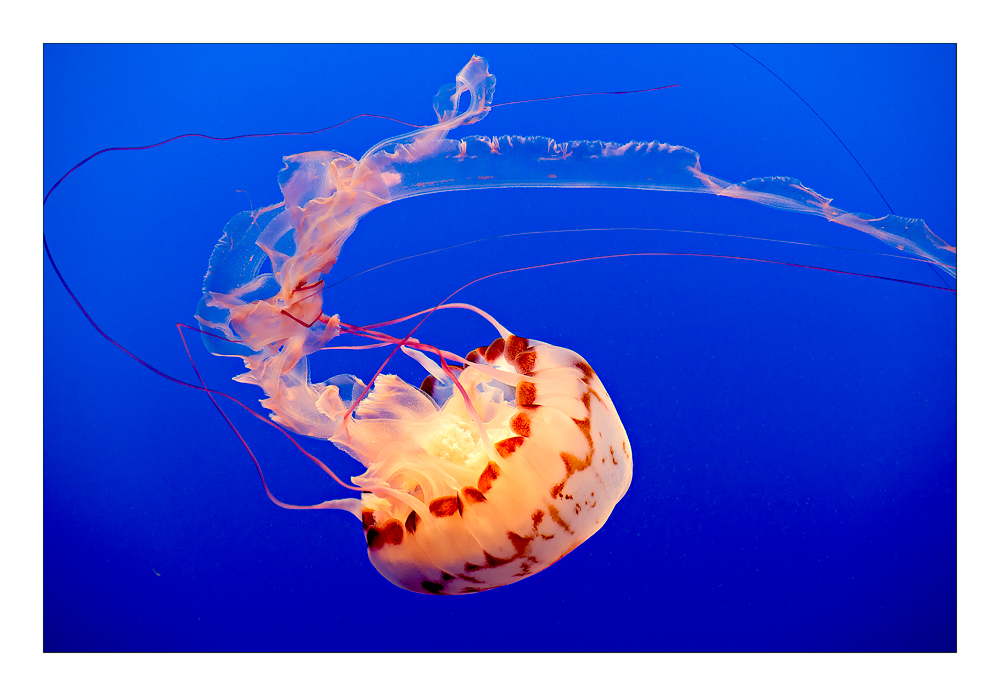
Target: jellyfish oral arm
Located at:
point(477, 162)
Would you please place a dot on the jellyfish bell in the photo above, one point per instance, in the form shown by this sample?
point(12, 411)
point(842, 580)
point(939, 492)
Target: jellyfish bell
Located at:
point(509, 458)
point(447, 511)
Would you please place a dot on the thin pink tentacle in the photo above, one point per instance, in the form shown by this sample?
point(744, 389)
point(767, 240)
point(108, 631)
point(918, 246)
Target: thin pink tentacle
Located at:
point(212, 393)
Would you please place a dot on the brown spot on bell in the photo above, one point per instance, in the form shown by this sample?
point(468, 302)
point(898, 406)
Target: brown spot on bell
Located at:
point(515, 346)
point(520, 423)
point(524, 363)
point(411, 522)
point(520, 543)
point(490, 474)
point(392, 532)
point(574, 463)
point(536, 519)
point(525, 394)
point(432, 587)
point(444, 506)
point(476, 356)
point(507, 447)
point(427, 386)
point(495, 350)
point(473, 495)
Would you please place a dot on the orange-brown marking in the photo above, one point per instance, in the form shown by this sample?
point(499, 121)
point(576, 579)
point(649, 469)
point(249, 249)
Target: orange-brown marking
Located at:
point(520, 423)
point(473, 495)
point(520, 543)
point(432, 587)
point(393, 532)
point(558, 519)
point(520, 547)
point(486, 479)
point(587, 370)
point(613, 460)
point(411, 522)
point(507, 447)
point(515, 346)
point(536, 519)
point(596, 396)
point(495, 350)
point(367, 518)
point(525, 394)
point(524, 363)
point(427, 386)
point(584, 426)
point(445, 505)
point(390, 533)
point(573, 463)
point(494, 562)
point(525, 569)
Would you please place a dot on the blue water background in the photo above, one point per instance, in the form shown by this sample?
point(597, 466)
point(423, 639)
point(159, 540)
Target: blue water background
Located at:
point(793, 431)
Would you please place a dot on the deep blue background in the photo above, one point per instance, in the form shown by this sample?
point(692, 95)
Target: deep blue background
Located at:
point(793, 431)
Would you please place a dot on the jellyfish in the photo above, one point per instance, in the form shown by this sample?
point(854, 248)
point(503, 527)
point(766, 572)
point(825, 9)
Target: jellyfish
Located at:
point(826, 379)
point(507, 459)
